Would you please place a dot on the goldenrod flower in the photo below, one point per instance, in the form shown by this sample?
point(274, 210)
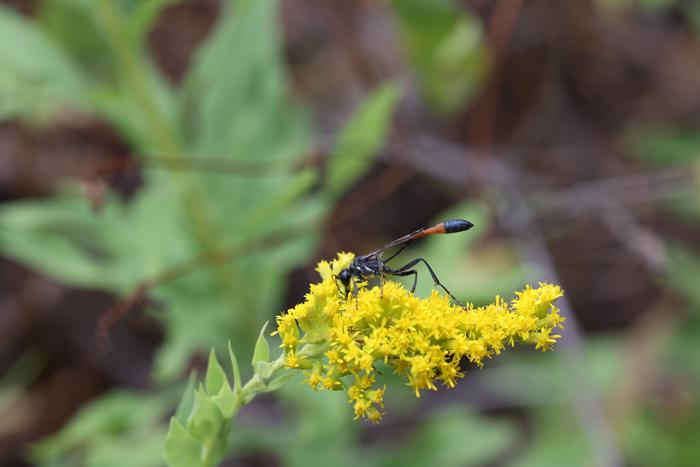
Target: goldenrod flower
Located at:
point(337, 341)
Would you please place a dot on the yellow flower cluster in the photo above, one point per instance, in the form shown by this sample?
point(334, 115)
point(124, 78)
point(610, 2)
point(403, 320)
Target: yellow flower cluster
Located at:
point(330, 337)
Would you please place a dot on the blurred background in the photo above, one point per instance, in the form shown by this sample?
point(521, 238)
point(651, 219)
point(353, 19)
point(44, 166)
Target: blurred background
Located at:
point(172, 171)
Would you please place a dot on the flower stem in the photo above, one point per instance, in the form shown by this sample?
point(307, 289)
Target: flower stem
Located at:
point(254, 386)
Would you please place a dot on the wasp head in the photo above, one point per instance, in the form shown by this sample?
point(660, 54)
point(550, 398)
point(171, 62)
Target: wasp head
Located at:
point(345, 276)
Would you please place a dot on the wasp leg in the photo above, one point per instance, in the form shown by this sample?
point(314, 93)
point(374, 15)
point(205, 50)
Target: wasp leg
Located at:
point(335, 279)
point(396, 253)
point(407, 270)
point(381, 284)
point(355, 292)
point(406, 273)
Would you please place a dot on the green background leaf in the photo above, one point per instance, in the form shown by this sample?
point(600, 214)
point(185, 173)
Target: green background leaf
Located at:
point(360, 139)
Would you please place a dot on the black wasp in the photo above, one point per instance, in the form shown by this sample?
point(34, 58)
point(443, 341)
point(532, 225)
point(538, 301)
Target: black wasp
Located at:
point(372, 265)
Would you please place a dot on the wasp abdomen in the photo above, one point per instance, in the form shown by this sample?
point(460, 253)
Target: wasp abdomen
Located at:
point(450, 226)
point(457, 225)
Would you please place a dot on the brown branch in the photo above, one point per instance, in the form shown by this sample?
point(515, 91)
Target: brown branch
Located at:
point(501, 25)
point(371, 193)
point(207, 164)
point(460, 168)
point(114, 314)
point(614, 192)
point(636, 239)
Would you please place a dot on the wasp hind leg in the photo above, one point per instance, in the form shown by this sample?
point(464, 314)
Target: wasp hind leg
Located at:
point(407, 270)
point(381, 284)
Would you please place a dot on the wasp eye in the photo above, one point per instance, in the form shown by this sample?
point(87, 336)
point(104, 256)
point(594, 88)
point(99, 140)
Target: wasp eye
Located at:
point(345, 276)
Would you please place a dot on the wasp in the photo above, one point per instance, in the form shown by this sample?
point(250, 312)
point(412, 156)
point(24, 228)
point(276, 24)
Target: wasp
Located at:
point(373, 265)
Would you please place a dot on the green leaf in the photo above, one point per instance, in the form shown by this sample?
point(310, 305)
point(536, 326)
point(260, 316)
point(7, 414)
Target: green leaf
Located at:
point(326, 433)
point(111, 250)
point(555, 440)
point(664, 147)
point(262, 348)
point(184, 407)
point(215, 377)
point(226, 401)
point(452, 437)
point(446, 45)
point(263, 369)
point(71, 23)
point(206, 420)
point(121, 106)
point(652, 436)
point(288, 196)
point(37, 78)
point(545, 378)
point(59, 237)
point(683, 272)
point(143, 15)
point(186, 336)
point(236, 371)
point(236, 106)
point(238, 92)
point(109, 421)
point(361, 139)
point(181, 449)
point(140, 448)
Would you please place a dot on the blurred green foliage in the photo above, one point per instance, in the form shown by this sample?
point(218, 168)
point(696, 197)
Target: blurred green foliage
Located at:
point(664, 147)
point(445, 43)
point(38, 77)
point(177, 216)
point(233, 105)
point(361, 138)
point(668, 148)
point(121, 428)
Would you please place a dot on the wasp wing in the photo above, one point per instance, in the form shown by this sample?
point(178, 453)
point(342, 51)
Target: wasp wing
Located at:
point(401, 241)
point(446, 227)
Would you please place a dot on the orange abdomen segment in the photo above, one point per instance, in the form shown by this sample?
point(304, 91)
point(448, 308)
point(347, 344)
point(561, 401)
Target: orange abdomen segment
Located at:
point(449, 226)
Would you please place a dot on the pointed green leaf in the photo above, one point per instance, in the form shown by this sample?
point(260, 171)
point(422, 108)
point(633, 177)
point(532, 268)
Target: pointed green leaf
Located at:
point(237, 85)
point(262, 348)
point(215, 376)
point(225, 400)
point(185, 406)
point(37, 79)
point(181, 449)
point(236, 371)
point(142, 17)
point(263, 369)
point(360, 140)
point(447, 47)
point(206, 420)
